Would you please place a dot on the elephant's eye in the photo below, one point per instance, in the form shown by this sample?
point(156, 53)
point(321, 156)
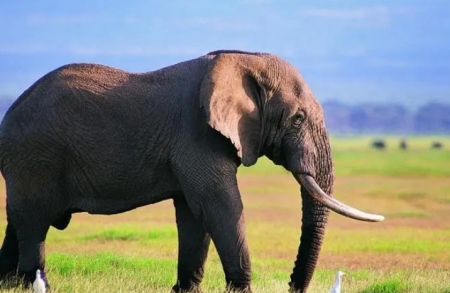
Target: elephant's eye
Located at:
point(298, 118)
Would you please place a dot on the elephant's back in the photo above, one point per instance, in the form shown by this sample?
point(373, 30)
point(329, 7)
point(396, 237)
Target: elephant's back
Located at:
point(65, 82)
point(94, 78)
point(85, 108)
point(58, 103)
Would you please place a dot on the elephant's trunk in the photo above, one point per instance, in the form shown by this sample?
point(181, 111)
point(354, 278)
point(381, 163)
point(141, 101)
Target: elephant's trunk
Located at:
point(314, 212)
point(314, 220)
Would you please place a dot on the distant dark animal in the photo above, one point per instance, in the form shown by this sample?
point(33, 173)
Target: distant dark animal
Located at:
point(403, 144)
point(379, 144)
point(436, 145)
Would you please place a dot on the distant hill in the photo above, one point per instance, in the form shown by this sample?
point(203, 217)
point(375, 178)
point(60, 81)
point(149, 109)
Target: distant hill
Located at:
point(432, 118)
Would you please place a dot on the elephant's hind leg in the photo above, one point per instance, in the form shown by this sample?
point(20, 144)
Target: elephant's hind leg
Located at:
point(31, 224)
point(9, 255)
point(193, 245)
point(32, 252)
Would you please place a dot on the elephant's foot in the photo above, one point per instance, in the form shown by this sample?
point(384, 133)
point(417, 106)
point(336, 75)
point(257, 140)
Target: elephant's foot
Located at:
point(9, 256)
point(238, 289)
point(26, 279)
point(192, 289)
point(9, 281)
point(8, 272)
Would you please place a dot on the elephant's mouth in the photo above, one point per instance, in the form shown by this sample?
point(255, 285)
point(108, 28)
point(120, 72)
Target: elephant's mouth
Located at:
point(333, 204)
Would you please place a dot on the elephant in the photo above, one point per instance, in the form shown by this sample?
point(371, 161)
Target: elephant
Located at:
point(92, 138)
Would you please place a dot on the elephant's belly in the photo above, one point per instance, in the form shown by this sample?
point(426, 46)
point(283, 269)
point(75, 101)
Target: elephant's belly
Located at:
point(115, 205)
point(104, 189)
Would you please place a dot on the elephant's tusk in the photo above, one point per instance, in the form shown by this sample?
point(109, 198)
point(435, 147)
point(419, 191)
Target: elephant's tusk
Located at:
point(333, 204)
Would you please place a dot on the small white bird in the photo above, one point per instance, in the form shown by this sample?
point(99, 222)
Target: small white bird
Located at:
point(39, 284)
point(337, 282)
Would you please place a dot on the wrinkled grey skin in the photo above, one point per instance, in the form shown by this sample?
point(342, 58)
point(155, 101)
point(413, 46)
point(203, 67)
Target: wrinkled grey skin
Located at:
point(90, 138)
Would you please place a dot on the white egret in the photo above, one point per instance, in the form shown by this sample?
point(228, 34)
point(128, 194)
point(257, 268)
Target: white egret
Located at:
point(337, 282)
point(39, 284)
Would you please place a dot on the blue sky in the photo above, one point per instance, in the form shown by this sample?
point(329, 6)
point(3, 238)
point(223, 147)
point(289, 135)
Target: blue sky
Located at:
point(353, 51)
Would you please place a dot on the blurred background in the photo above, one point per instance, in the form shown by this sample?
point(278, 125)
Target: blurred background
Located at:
point(376, 66)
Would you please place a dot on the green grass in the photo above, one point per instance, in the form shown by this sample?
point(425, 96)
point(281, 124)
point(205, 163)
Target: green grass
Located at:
point(354, 156)
point(127, 233)
point(393, 285)
point(427, 163)
point(424, 241)
point(110, 272)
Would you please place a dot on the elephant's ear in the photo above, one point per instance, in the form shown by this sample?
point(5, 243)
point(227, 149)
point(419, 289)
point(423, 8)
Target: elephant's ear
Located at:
point(231, 97)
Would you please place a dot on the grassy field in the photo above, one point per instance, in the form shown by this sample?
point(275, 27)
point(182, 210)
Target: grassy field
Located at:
point(408, 252)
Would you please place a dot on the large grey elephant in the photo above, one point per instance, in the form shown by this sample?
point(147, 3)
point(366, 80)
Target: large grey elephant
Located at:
point(90, 138)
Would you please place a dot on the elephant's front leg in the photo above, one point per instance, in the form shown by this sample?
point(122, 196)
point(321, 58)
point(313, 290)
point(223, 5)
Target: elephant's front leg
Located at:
point(223, 218)
point(193, 244)
point(211, 191)
point(228, 234)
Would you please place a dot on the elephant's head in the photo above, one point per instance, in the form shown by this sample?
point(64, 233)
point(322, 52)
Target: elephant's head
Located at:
point(263, 105)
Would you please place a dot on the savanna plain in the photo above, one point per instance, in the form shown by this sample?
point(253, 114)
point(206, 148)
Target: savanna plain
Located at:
point(408, 252)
